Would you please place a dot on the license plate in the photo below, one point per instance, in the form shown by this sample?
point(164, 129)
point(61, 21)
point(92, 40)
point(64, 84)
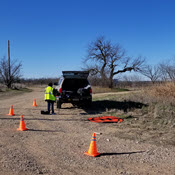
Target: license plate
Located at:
point(75, 99)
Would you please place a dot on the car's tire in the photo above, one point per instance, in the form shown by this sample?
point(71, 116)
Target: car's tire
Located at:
point(58, 104)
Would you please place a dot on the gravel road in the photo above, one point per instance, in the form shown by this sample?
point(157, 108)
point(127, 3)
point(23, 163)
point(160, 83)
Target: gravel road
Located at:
point(56, 144)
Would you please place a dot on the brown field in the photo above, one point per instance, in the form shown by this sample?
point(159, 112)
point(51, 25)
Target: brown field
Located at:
point(142, 144)
point(165, 92)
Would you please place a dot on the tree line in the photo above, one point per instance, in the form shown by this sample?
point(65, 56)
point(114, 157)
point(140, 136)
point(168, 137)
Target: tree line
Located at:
point(104, 60)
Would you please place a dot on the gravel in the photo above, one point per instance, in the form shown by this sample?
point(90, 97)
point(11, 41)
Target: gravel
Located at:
point(56, 144)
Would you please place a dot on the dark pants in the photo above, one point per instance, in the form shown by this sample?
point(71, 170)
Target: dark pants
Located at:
point(50, 104)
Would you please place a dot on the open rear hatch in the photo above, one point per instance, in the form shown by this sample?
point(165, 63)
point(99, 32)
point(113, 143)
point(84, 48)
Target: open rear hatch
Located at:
point(73, 85)
point(76, 74)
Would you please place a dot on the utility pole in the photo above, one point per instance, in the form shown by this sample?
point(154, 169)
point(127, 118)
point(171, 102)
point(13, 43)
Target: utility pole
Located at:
point(9, 69)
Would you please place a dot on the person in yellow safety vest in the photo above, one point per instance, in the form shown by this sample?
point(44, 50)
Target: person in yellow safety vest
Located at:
point(50, 98)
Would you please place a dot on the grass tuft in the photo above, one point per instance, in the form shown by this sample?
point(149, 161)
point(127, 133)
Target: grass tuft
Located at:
point(97, 89)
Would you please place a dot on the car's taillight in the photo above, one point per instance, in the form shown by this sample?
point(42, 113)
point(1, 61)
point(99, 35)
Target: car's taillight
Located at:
point(60, 90)
point(90, 90)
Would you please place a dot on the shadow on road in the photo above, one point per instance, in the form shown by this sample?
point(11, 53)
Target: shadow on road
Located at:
point(38, 130)
point(43, 119)
point(103, 105)
point(46, 119)
point(9, 118)
point(123, 153)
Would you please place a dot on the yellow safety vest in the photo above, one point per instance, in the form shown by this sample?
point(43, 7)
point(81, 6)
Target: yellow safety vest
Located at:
point(49, 94)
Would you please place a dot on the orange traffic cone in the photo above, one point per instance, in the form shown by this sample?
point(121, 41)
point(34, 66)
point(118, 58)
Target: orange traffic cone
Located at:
point(92, 148)
point(22, 126)
point(11, 111)
point(34, 103)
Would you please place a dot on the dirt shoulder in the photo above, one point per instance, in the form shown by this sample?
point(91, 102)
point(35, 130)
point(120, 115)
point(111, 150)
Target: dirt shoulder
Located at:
point(56, 144)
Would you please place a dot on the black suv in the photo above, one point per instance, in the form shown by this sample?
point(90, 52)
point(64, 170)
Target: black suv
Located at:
point(74, 87)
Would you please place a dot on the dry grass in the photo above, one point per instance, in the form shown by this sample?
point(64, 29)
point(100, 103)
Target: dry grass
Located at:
point(96, 89)
point(163, 90)
point(162, 93)
point(153, 121)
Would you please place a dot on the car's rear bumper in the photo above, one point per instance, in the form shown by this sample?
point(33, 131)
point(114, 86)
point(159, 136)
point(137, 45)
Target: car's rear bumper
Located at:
point(73, 99)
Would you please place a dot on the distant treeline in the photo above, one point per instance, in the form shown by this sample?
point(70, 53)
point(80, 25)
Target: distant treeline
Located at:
point(93, 82)
point(21, 83)
point(121, 83)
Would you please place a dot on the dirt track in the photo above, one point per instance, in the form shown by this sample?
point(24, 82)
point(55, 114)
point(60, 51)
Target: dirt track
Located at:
point(55, 144)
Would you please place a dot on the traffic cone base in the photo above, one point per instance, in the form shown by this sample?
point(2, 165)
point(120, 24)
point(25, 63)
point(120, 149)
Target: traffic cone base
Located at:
point(11, 114)
point(93, 155)
point(22, 129)
point(92, 148)
point(11, 111)
point(22, 126)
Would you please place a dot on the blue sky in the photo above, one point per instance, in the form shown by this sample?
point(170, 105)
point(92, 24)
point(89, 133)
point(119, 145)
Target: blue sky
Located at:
point(49, 36)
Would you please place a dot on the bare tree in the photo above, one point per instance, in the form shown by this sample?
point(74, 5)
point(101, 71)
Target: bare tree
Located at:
point(109, 60)
point(9, 70)
point(151, 72)
point(168, 69)
point(126, 64)
point(98, 53)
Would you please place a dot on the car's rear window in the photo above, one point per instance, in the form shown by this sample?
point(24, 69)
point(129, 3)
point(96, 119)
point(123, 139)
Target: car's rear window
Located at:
point(74, 84)
point(59, 82)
